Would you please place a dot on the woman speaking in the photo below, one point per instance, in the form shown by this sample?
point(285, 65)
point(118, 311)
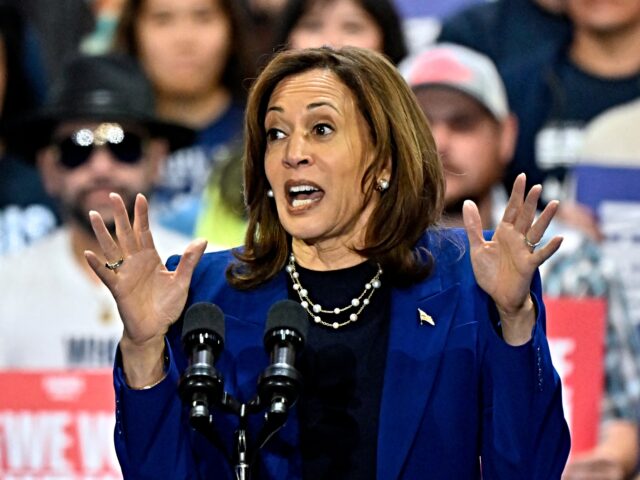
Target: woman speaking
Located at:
point(426, 355)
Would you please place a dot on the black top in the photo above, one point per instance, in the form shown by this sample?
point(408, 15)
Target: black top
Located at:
point(507, 31)
point(343, 373)
point(554, 100)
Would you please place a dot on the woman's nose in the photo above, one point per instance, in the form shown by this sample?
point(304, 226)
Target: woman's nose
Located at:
point(297, 152)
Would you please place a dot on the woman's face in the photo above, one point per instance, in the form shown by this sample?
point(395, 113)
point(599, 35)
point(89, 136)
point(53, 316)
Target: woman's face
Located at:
point(318, 145)
point(337, 23)
point(184, 45)
point(604, 16)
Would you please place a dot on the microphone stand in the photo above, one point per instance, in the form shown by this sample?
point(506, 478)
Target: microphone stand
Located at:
point(242, 446)
point(205, 394)
point(278, 385)
point(245, 451)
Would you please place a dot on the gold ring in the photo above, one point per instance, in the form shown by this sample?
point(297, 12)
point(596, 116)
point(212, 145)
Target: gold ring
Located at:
point(530, 244)
point(115, 265)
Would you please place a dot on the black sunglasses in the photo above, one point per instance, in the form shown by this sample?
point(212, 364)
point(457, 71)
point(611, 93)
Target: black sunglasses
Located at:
point(76, 149)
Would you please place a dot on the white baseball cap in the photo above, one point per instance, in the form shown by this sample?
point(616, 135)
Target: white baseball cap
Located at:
point(459, 68)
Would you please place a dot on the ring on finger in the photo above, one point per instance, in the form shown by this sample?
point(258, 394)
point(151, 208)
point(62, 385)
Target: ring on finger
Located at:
point(115, 265)
point(531, 244)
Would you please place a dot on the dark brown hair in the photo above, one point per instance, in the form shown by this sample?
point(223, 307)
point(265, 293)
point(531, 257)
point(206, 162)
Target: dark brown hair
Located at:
point(398, 130)
point(382, 11)
point(238, 66)
point(21, 93)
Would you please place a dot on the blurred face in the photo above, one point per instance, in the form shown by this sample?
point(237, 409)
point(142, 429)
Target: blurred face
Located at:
point(318, 146)
point(337, 23)
point(184, 45)
point(553, 6)
point(81, 177)
point(270, 7)
point(469, 143)
point(604, 16)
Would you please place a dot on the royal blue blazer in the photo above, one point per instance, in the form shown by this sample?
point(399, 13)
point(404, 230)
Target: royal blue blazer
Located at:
point(457, 401)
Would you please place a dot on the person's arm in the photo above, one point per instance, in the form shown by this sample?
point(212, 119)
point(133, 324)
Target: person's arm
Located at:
point(504, 266)
point(153, 437)
point(524, 433)
point(149, 414)
point(614, 458)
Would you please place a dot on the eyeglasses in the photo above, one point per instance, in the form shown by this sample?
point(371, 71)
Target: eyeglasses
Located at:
point(76, 149)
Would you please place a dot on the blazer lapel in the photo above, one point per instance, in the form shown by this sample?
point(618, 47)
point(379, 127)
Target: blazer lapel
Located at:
point(413, 359)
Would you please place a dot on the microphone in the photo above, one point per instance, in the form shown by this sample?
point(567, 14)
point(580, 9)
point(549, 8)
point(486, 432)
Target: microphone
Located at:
point(201, 386)
point(285, 334)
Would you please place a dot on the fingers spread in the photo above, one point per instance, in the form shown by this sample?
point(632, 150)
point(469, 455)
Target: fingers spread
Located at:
point(528, 211)
point(472, 223)
point(98, 267)
point(108, 245)
point(536, 232)
point(141, 222)
point(542, 255)
point(515, 200)
point(189, 260)
point(124, 232)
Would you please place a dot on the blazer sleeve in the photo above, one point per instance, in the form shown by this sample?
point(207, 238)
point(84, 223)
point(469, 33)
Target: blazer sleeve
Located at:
point(524, 432)
point(153, 438)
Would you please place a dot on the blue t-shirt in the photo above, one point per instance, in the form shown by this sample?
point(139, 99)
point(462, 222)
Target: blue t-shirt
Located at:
point(178, 197)
point(507, 31)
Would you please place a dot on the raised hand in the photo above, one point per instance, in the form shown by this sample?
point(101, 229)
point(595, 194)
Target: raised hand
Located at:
point(149, 297)
point(504, 266)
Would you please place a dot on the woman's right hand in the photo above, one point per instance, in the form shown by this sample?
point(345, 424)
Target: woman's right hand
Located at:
point(149, 297)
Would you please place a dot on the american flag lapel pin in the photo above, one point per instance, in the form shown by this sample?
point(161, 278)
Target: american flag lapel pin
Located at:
point(426, 318)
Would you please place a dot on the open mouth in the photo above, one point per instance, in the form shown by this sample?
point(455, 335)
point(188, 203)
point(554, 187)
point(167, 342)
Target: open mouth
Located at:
point(303, 195)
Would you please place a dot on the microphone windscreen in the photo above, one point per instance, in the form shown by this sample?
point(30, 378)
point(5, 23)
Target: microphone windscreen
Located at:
point(203, 316)
point(288, 314)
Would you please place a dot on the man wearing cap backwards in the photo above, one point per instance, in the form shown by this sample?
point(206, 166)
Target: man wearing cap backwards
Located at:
point(464, 100)
point(97, 135)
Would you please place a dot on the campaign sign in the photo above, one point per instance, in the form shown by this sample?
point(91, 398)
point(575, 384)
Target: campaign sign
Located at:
point(57, 425)
point(612, 193)
point(576, 333)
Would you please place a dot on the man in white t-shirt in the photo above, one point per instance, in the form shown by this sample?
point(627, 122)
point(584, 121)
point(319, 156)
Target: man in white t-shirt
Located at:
point(98, 134)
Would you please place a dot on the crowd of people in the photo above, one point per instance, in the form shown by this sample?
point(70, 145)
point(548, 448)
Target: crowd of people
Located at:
point(229, 121)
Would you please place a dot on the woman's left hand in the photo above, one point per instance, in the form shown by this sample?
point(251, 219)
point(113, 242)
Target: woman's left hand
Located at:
point(504, 266)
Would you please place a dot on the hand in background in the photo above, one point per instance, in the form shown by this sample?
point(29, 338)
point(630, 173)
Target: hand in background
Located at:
point(593, 466)
point(582, 218)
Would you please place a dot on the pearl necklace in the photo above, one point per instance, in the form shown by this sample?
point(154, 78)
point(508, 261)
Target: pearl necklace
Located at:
point(314, 309)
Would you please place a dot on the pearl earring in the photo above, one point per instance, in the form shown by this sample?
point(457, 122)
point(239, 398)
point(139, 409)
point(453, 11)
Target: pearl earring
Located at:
point(382, 185)
point(270, 193)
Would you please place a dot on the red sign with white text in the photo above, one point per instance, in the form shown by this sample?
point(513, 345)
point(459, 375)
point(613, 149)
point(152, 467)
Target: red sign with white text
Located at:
point(576, 333)
point(57, 425)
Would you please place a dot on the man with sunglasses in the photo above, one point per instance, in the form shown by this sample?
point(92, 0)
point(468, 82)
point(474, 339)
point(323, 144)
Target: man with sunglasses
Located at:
point(97, 134)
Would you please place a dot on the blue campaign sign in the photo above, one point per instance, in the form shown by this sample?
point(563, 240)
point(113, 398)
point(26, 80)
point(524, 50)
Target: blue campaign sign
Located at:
point(431, 8)
point(597, 183)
